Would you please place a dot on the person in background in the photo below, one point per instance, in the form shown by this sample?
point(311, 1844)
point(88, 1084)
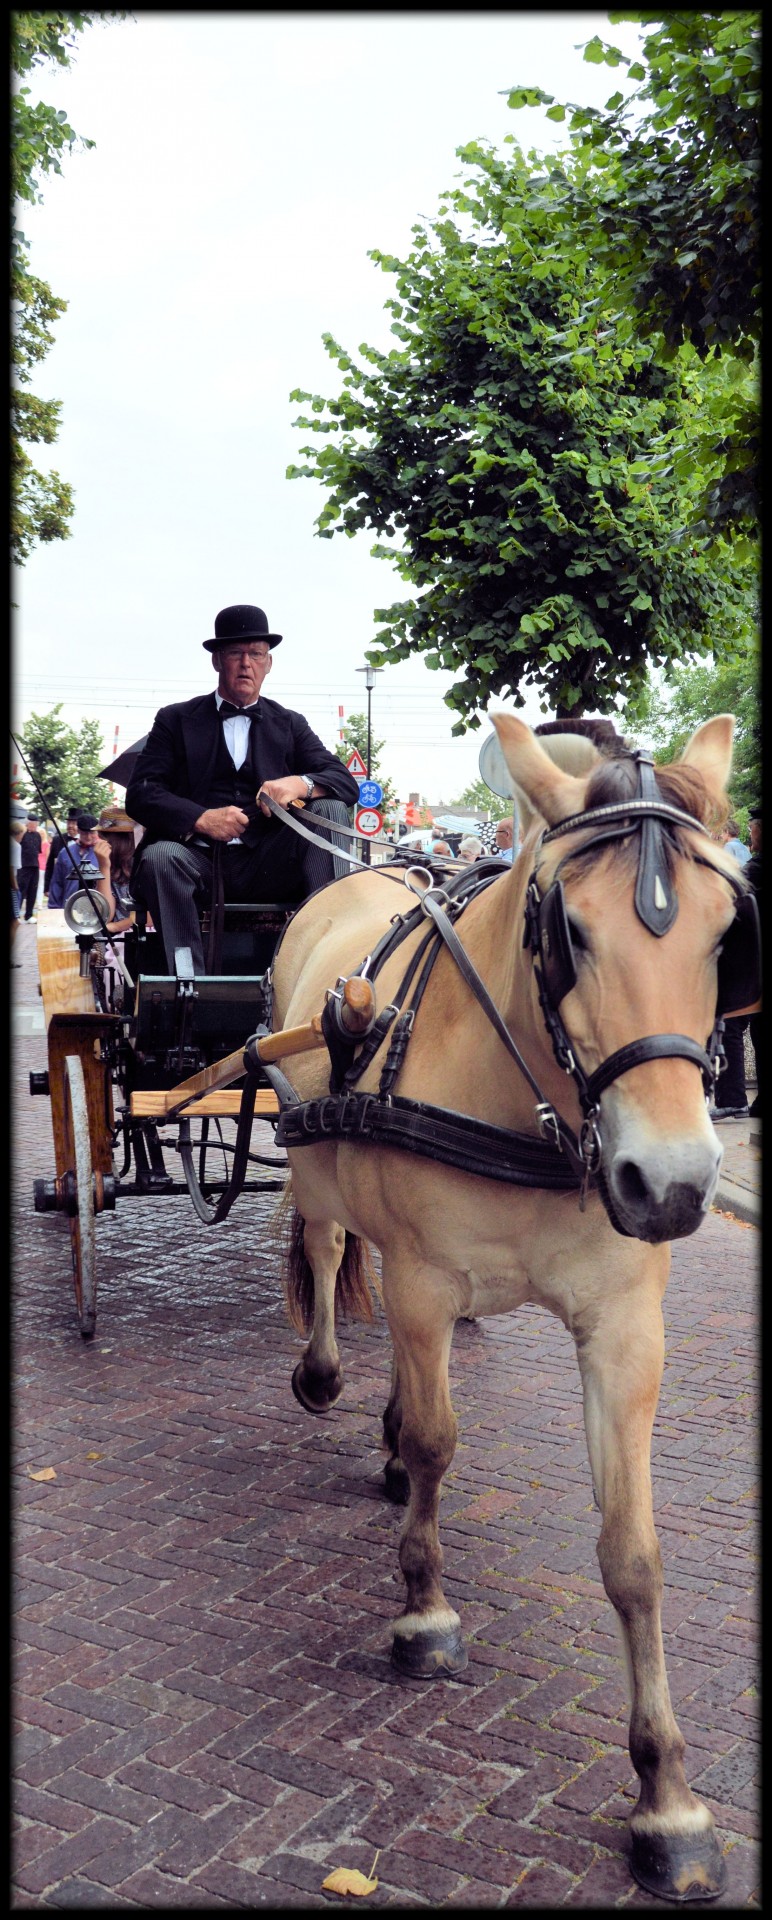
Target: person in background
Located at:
point(60, 840)
point(730, 837)
point(89, 856)
point(17, 829)
point(117, 829)
point(441, 847)
point(753, 876)
point(470, 848)
point(29, 871)
point(731, 1095)
point(503, 840)
point(45, 848)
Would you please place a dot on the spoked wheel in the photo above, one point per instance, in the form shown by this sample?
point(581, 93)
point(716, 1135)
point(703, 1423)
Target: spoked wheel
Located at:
point(82, 1195)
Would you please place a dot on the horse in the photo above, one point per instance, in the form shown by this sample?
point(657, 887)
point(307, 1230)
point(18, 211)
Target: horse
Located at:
point(625, 902)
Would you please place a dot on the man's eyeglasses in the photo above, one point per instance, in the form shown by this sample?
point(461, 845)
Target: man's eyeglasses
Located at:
point(258, 654)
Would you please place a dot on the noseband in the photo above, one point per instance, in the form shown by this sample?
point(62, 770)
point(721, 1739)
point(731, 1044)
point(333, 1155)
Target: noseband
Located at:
point(547, 932)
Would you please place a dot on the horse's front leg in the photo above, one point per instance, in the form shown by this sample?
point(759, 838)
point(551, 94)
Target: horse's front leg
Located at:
point(427, 1636)
point(674, 1851)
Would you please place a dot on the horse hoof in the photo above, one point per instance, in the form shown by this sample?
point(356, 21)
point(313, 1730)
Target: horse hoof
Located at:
point(325, 1399)
point(435, 1653)
point(678, 1866)
point(396, 1483)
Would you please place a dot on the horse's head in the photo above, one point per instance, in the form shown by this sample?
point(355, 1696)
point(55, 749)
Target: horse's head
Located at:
point(628, 910)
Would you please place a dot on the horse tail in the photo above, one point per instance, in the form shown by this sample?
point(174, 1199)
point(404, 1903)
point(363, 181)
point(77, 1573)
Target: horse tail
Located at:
point(355, 1282)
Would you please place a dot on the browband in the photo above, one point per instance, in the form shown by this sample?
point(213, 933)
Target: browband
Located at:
point(620, 810)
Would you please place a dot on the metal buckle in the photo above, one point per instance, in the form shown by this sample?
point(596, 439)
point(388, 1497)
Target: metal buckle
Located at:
point(591, 1149)
point(547, 1122)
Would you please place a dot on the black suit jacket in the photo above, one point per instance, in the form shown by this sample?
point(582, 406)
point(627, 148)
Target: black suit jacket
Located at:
point(172, 778)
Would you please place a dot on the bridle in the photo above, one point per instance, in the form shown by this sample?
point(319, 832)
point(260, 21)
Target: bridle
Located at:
point(547, 933)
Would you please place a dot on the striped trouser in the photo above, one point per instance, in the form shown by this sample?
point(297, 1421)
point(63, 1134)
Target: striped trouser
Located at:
point(175, 881)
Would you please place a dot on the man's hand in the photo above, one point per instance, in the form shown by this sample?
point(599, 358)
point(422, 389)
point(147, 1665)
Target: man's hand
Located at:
point(290, 788)
point(222, 823)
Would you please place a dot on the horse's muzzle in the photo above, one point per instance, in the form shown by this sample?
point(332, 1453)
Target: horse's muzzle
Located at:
point(662, 1195)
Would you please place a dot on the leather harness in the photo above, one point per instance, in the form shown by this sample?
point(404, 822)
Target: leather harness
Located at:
point(556, 1158)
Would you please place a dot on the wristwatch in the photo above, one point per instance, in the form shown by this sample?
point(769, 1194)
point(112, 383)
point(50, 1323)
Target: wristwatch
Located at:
point(310, 782)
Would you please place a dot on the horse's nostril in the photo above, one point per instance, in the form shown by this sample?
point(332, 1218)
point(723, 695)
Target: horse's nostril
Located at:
point(630, 1185)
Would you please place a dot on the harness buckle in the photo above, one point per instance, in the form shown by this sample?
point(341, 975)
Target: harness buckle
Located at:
point(547, 1122)
point(591, 1149)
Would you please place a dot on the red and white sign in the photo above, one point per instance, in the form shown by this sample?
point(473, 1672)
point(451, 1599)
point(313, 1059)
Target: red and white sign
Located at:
point(356, 765)
point(368, 820)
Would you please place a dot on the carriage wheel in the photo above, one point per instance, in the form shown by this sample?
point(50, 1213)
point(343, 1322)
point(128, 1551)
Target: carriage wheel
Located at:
point(82, 1223)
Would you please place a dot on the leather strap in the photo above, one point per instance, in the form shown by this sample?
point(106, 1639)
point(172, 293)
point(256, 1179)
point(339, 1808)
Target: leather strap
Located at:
point(433, 1133)
point(655, 1046)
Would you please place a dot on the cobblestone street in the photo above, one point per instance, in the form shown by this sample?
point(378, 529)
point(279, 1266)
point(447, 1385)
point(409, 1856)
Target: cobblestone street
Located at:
point(204, 1711)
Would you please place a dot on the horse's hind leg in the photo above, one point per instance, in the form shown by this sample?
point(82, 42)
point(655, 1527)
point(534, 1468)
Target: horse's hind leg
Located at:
point(674, 1851)
point(317, 1381)
point(395, 1475)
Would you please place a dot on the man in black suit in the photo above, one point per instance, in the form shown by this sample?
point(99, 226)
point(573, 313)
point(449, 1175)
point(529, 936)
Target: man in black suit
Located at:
point(202, 778)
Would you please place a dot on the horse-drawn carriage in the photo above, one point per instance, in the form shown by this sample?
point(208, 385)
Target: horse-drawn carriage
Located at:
point(500, 1081)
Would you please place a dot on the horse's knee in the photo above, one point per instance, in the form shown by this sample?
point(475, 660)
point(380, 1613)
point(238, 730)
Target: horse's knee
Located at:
point(631, 1570)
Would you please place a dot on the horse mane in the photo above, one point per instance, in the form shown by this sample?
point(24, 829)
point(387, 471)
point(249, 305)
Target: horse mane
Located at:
point(680, 785)
point(602, 734)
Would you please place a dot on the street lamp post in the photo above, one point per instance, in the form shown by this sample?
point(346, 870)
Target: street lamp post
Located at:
point(369, 673)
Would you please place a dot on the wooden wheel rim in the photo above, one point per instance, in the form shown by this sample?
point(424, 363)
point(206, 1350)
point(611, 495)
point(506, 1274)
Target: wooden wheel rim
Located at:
point(82, 1224)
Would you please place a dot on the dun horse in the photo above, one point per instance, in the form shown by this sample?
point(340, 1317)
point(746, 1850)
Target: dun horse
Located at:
point(599, 951)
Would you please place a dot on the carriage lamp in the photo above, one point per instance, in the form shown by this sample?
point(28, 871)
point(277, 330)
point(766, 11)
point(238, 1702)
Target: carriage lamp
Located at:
point(86, 911)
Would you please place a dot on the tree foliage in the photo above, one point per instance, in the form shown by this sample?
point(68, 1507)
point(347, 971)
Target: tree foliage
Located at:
point(668, 717)
point(524, 454)
point(65, 762)
point(41, 503)
point(663, 192)
point(481, 799)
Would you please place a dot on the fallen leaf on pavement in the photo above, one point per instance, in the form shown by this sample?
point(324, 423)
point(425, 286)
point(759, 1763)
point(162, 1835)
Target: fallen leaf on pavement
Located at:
point(45, 1473)
point(350, 1880)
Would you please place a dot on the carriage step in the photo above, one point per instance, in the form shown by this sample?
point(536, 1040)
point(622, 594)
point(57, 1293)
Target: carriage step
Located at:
point(225, 1105)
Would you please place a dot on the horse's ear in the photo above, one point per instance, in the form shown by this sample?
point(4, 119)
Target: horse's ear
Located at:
point(710, 752)
point(548, 789)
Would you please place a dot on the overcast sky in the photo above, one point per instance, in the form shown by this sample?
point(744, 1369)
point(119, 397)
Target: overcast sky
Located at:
point(244, 165)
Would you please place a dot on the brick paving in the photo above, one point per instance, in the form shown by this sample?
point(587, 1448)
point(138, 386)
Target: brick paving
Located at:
point(204, 1713)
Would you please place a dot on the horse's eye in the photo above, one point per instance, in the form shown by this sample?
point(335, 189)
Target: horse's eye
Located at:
point(578, 939)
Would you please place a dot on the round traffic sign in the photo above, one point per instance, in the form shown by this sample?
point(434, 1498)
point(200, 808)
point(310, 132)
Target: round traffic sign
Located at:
point(368, 820)
point(370, 793)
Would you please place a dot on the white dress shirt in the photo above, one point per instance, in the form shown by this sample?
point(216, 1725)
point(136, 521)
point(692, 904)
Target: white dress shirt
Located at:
point(236, 730)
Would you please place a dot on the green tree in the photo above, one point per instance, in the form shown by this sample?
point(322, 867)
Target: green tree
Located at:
point(41, 503)
point(355, 735)
point(522, 453)
point(481, 799)
point(662, 192)
point(65, 763)
point(667, 717)
point(47, 743)
point(86, 758)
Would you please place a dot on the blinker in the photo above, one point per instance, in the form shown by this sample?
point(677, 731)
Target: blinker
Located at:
point(656, 900)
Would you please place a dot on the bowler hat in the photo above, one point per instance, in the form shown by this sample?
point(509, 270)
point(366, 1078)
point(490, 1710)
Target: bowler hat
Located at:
point(241, 623)
point(86, 822)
